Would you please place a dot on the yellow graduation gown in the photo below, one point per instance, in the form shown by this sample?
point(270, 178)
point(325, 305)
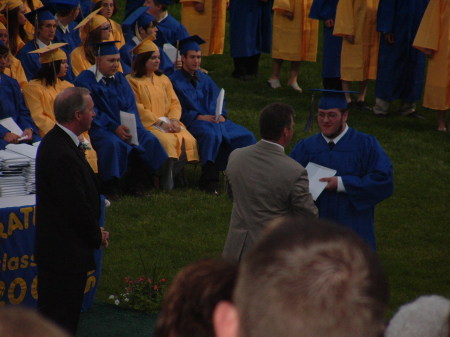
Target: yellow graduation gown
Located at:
point(79, 62)
point(29, 27)
point(358, 18)
point(434, 34)
point(39, 98)
point(296, 39)
point(117, 34)
point(16, 71)
point(209, 25)
point(158, 99)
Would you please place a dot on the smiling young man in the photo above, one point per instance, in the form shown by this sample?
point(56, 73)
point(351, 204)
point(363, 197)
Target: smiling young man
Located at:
point(46, 29)
point(216, 136)
point(364, 172)
point(119, 162)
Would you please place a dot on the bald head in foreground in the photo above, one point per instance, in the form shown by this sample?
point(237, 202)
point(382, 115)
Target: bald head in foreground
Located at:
point(306, 278)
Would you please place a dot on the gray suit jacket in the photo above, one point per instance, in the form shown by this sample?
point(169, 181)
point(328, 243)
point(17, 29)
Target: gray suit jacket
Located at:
point(266, 184)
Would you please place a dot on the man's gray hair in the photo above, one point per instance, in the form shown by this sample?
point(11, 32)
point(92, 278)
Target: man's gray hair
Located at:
point(69, 101)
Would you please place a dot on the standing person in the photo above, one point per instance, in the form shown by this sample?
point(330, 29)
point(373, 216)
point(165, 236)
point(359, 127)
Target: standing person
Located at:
point(294, 39)
point(45, 33)
point(364, 172)
point(433, 38)
point(265, 182)
point(122, 166)
point(217, 136)
point(160, 110)
point(356, 23)
point(325, 10)
point(400, 66)
point(67, 212)
point(40, 94)
point(250, 35)
point(206, 18)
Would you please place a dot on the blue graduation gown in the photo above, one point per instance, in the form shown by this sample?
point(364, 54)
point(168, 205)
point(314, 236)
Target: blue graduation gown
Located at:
point(30, 62)
point(73, 40)
point(113, 152)
point(250, 27)
point(170, 30)
point(366, 173)
point(332, 45)
point(400, 66)
point(13, 105)
point(215, 140)
point(166, 65)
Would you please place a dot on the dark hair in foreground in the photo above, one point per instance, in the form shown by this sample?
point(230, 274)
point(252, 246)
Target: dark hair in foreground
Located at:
point(309, 278)
point(273, 119)
point(192, 297)
point(48, 73)
point(69, 101)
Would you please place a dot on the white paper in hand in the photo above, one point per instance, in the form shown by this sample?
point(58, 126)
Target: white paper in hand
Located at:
point(316, 172)
point(219, 104)
point(129, 120)
point(171, 52)
point(10, 124)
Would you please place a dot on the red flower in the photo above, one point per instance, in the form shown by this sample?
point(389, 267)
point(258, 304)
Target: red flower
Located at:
point(163, 280)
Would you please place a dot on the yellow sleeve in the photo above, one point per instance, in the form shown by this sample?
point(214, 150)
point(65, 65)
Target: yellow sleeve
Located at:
point(34, 99)
point(77, 61)
point(344, 23)
point(175, 106)
point(284, 5)
point(118, 34)
point(427, 36)
point(148, 118)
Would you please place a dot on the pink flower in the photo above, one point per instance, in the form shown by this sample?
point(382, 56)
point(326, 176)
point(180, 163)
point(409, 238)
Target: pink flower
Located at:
point(163, 280)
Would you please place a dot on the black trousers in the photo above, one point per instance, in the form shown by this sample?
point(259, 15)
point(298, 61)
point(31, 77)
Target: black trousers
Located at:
point(60, 297)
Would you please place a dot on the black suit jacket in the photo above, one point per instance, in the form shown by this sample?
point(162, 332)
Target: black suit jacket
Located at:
point(67, 206)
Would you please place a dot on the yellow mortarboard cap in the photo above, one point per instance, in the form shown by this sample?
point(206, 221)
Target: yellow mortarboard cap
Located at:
point(145, 46)
point(50, 53)
point(12, 4)
point(87, 19)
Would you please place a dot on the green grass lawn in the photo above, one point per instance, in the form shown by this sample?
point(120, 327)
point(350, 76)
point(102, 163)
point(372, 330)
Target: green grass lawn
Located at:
point(159, 234)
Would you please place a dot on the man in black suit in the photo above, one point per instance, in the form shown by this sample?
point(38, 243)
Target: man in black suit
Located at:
point(67, 211)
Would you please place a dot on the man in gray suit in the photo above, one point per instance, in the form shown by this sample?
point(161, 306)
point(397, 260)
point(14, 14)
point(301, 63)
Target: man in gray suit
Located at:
point(265, 182)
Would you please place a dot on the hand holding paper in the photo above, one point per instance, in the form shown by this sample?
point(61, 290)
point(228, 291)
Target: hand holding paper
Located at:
point(319, 177)
point(219, 104)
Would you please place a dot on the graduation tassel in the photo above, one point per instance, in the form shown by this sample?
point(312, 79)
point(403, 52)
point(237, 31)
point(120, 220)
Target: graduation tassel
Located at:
point(310, 120)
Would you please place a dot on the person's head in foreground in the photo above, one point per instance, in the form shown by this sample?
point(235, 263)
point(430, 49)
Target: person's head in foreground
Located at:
point(426, 316)
point(192, 297)
point(306, 278)
point(23, 322)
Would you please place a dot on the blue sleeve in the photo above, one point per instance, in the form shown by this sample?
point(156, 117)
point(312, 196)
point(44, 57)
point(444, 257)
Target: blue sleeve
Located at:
point(377, 184)
point(125, 58)
point(298, 153)
point(213, 94)
point(30, 62)
point(189, 108)
point(323, 9)
point(386, 16)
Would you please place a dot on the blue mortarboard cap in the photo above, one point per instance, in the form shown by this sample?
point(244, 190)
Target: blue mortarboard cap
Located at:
point(333, 99)
point(39, 15)
point(190, 43)
point(140, 16)
point(106, 48)
point(63, 5)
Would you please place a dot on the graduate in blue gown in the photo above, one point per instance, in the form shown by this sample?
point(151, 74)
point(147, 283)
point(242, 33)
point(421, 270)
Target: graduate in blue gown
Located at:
point(66, 13)
point(400, 66)
point(117, 158)
point(364, 172)
point(325, 10)
point(142, 24)
point(198, 94)
point(13, 105)
point(45, 25)
point(250, 35)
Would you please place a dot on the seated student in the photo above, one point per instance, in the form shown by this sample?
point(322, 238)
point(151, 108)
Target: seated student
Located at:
point(31, 5)
point(46, 28)
point(194, 293)
point(14, 13)
point(12, 105)
point(41, 92)
point(66, 13)
point(108, 8)
point(111, 139)
point(160, 110)
point(142, 25)
point(14, 69)
point(98, 29)
point(198, 93)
